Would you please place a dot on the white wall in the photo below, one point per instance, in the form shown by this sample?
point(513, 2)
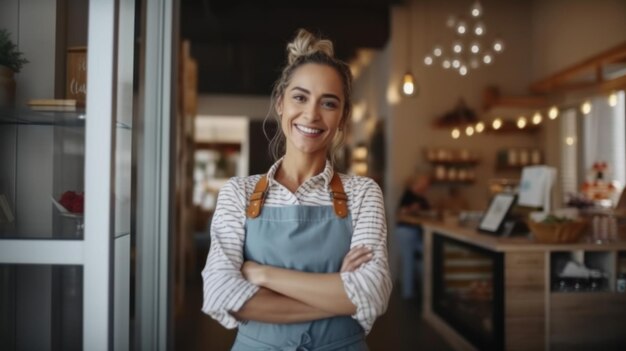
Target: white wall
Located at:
point(410, 120)
point(568, 31)
point(254, 107)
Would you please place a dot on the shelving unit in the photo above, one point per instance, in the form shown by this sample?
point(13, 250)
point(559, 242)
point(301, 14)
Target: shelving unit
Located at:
point(452, 166)
point(43, 156)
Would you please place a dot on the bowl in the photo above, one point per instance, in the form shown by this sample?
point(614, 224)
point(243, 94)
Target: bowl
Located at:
point(558, 233)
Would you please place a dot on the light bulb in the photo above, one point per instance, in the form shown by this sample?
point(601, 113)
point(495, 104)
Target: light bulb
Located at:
point(463, 70)
point(437, 51)
point(480, 126)
point(498, 45)
point(521, 122)
point(585, 108)
point(569, 141)
point(553, 113)
point(461, 27)
point(469, 131)
point(476, 9)
point(446, 64)
point(487, 58)
point(456, 63)
point(496, 124)
point(479, 29)
point(428, 60)
point(475, 48)
point(457, 47)
point(408, 84)
point(456, 133)
point(613, 99)
point(537, 118)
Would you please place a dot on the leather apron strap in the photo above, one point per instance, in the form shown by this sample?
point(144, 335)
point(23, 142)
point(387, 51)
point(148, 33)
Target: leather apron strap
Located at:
point(257, 199)
point(340, 199)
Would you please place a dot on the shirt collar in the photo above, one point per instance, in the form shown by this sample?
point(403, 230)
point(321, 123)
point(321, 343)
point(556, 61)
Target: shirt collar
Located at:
point(326, 174)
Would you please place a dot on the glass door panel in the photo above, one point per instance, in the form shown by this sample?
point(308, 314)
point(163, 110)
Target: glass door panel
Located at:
point(65, 177)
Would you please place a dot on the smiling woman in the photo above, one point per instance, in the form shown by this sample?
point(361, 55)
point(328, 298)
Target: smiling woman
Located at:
point(300, 253)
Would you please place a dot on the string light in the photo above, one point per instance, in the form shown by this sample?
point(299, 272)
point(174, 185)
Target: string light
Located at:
point(537, 118)
point(480, 126)
point(553, 113)
point(585, 108)
point(456, 133)
point(496, 124)
point(613, 99)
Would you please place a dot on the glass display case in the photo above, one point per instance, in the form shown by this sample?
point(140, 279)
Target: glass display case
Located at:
point(468, 291)
point(43, 159)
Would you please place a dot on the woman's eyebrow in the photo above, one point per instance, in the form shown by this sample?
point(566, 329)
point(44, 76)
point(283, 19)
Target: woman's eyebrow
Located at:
point(328, 95)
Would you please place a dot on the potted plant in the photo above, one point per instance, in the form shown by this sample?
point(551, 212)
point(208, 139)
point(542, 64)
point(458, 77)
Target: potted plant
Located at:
point(11, 62)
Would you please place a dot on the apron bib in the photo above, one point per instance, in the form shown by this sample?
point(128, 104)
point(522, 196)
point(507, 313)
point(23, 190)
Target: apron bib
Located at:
point(309, 239)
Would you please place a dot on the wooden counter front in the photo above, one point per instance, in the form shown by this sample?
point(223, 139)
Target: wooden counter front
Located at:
point(535, 318)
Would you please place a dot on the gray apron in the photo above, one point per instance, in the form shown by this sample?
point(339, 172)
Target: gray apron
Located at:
point(308, 239)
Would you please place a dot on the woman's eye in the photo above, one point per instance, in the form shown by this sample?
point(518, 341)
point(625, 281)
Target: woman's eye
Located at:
point(299, 98)
point(330, 104)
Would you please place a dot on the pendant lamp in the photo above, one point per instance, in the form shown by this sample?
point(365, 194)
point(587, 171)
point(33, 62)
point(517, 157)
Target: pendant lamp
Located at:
point(409, 85)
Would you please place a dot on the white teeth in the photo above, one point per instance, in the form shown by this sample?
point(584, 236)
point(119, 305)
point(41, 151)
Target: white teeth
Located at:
point(308, 130)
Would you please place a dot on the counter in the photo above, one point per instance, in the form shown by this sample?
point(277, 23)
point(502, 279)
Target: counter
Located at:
point(514, 280)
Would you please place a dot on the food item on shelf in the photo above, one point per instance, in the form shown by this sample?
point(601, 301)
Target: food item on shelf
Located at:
point(73, 201)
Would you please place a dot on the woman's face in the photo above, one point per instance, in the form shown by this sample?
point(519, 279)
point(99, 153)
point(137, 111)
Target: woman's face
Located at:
point(311, 109)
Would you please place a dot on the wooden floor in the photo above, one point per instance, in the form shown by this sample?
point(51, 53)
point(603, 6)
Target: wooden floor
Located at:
point(401, 328)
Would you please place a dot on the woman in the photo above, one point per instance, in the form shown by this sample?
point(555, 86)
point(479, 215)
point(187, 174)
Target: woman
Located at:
point(298, 257)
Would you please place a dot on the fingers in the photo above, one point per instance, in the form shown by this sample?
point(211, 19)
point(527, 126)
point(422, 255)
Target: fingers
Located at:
point(355, 258)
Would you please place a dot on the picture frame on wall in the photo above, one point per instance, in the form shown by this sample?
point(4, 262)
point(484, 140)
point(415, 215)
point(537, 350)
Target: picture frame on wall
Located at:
point(497, 212)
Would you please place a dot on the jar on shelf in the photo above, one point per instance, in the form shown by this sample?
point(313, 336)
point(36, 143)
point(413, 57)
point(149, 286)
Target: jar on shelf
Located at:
point(512, 157)
point(524, 157)
point(440, 172)
point(535, 157)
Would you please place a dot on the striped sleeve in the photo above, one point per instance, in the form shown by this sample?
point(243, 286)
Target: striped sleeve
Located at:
point(369, 286)
point(225, 289)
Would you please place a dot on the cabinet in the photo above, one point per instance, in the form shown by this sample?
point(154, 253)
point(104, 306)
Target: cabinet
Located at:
point(508, 293)
point(452, 166)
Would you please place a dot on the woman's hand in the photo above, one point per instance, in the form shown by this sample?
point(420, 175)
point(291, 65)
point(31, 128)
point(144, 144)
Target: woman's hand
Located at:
point(253, 272)
point(355, 258)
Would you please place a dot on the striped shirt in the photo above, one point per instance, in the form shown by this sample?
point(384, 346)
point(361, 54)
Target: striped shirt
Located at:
point(368, 287)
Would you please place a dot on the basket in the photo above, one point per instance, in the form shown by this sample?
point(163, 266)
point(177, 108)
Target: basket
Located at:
point(558, 233)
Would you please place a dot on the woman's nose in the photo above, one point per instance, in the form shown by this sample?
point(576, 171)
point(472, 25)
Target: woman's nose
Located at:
point(312, 111)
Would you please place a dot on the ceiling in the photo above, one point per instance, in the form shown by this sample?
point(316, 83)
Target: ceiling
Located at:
point(240, 44)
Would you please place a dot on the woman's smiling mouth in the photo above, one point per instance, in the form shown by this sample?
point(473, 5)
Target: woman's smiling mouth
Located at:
point(308, 131)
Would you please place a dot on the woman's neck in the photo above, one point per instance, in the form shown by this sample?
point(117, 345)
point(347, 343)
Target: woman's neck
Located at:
point(295, 170)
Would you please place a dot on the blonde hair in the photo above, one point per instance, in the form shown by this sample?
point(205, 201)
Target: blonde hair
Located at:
point(303, 49)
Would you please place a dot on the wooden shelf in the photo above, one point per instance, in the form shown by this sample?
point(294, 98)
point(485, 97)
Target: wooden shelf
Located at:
point(452, 182)
point(455, 162)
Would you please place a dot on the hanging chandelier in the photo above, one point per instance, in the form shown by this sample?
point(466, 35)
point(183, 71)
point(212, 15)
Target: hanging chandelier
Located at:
point(469, 48)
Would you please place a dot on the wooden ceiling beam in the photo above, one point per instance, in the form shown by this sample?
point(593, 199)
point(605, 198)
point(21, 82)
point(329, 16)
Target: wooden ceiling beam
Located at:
point(561, 80)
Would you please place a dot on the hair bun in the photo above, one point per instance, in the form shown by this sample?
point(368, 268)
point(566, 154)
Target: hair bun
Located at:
point(305, 44)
